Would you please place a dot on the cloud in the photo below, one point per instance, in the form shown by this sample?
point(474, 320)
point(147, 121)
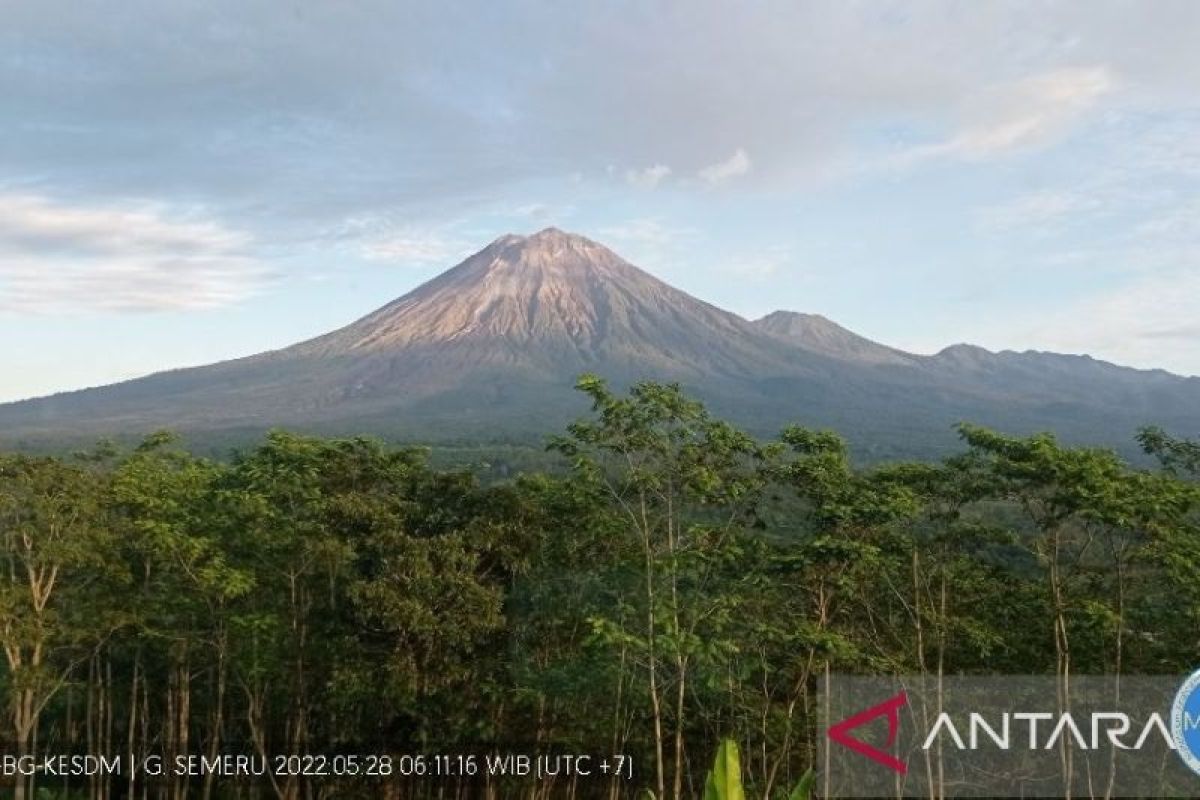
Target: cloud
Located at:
point(1024, 114)
point(274, 118)
point(412, 248)
point(417, 246)
point(389, 238)
point(1033, 111)
point(735, 166)
point(647, 178)
point(60, 258)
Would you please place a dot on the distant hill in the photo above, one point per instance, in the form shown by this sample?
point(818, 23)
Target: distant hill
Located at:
point(489, 351)
point(820, 335)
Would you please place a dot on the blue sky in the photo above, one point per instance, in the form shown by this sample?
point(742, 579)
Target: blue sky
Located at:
point(186, 182)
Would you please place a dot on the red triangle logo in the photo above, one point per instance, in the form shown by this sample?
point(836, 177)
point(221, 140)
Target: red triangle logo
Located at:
point(890, 708)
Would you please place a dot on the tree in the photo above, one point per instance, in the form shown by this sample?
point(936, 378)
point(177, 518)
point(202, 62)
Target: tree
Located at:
point(51, 533)
point(1177, 456)
point(685, 486)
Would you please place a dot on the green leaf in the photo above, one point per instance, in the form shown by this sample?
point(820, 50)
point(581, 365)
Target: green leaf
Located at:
point(804, 788)
point(725, 780)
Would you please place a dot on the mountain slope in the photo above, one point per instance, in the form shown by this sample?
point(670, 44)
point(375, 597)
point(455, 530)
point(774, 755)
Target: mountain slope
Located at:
point(492, 344)
point(490, 350)
point(556, 301)
point(820, 335)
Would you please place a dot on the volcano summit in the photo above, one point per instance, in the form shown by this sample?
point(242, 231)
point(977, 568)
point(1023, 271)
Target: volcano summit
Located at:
point(491, 348)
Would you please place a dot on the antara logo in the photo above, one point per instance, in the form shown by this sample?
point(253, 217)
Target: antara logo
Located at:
point(890, 708)
point(1109, 728)
point(993, 728)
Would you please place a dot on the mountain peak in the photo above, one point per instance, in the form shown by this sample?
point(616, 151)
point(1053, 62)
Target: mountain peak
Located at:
point(965, 355)
point(548, 247)
point(555, 234)
point(781, 318)
point(550, 293)
point(546, 237)
point(822, 335)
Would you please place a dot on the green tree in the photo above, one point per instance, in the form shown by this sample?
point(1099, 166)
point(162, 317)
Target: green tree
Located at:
point(51, 539)
point(685, 486)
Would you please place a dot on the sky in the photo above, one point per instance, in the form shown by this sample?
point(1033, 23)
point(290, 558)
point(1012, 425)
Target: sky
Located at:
point(186, 182)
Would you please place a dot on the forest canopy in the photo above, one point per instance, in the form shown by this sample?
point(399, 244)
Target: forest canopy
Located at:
point(679, 583)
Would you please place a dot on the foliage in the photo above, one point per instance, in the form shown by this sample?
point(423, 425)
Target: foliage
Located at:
point(725, 778)
point(677, 582)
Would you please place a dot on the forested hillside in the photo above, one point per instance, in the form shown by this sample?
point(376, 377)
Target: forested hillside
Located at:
point(679, 583)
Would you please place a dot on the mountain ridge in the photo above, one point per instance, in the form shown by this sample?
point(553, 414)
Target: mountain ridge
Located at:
point(821, 334)
point(493, 345)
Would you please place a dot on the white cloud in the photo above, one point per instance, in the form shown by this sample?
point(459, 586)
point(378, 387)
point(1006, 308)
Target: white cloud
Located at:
point(647, 178)
point(347, 100)
point(411, 247)
point(379, 237)
point(59, 258)
point(1021, 115)
point(735, 166)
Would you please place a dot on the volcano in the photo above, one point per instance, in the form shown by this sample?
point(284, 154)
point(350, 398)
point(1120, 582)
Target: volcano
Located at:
point(490, 350)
